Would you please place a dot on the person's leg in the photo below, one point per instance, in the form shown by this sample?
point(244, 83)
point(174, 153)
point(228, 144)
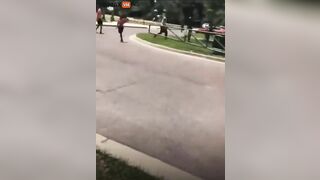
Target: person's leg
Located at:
point(161, 30)
point(166, 32)
point(121, 38)
point(120, 30)
point(155, 35)
point(189, 35)
point(100, 23)
point(207, 37)
point(97, 25)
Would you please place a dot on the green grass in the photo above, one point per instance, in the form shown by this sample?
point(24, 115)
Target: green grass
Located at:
point(110, 168)
point(200, 36)
point(173, 44)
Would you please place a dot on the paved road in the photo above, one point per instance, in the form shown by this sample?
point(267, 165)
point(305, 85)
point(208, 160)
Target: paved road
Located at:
point(167, 105)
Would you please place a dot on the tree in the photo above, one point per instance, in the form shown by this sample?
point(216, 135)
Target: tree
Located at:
point(215, 11)
point(177, 11)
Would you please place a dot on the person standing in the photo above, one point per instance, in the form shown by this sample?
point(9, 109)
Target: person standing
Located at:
point(189, 26)
point(163, 26)
point(99, 20)
point(185, 32)
point(120, 26)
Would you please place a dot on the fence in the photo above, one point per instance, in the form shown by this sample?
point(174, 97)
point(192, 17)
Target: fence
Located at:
point(213, 41)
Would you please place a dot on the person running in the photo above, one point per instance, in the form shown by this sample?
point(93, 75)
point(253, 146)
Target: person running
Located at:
point(120, 26)
point(99, 20)
point(163, 26)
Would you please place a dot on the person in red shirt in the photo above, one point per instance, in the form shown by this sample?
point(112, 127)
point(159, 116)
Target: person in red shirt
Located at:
point(120, 26)
point(99, 20)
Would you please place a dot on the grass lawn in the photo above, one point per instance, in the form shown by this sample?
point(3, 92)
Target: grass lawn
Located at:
point(174, 44)
point(110, 168)
point(200, 36)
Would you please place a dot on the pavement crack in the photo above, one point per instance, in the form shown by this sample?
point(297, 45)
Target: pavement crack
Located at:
point(116, 88)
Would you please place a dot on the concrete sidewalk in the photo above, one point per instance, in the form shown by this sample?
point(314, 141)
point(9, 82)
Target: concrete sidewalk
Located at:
point(138, 159)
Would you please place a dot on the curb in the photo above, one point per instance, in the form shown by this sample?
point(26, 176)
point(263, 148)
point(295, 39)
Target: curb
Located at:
point(147, 163)
point(128, 26)
point(215, 58)
point(141, 27)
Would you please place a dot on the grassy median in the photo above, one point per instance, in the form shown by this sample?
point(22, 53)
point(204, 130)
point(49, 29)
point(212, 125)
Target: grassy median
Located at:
point(110, 168)
point(173, 44)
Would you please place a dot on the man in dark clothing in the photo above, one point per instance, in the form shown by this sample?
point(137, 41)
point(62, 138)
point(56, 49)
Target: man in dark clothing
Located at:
point(99, 20)
point(189, 26)
point(120, 26)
